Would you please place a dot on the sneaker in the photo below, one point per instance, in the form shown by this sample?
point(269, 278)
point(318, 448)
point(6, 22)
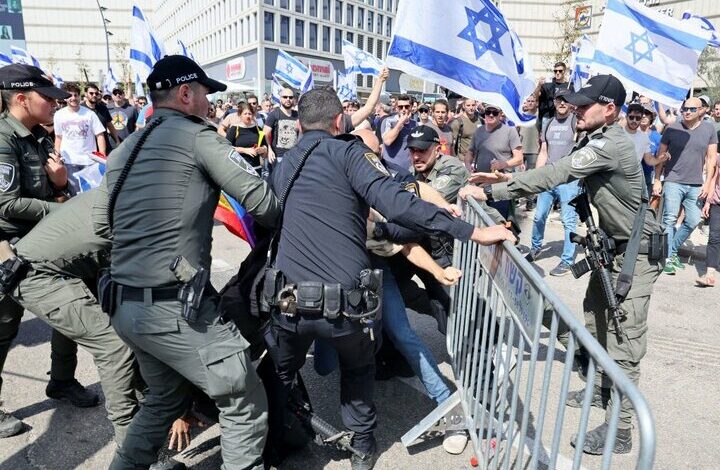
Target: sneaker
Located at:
point(600, 398)
point(456, 438)
point(364, 463)
point(675, 260)
point(71, 391)
point(561, 269)
point(595, 441)
point(533, 255)
point(669, 267)
point(9, 424)
point(529, 205)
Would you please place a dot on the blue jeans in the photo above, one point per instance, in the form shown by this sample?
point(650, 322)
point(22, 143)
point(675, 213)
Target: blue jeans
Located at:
point(395, 323)
point(676, 195)
point(565, 193)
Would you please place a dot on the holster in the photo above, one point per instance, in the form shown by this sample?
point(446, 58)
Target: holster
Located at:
point(106, 290)
point(272, 285)
point(658, 247)
point(13, 268)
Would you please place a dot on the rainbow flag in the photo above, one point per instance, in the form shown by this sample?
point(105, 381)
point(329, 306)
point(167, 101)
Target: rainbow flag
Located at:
point(235, 218)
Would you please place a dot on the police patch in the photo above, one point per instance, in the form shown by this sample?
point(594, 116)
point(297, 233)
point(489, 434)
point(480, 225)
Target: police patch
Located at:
point(237, 159)
point(583, 158)
point(441, 181)
point(375, 162)
point(599, 143)
point(7, 176)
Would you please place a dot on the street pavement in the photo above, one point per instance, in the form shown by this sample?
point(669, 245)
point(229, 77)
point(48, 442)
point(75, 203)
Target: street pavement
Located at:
point(678, 378)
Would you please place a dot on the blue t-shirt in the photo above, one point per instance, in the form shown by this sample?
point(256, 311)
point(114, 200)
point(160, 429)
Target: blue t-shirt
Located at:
point(398, 152)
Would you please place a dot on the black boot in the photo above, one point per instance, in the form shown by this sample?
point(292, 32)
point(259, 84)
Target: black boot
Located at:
point(169, 464)
point(366, 463)
point(600, 398)
point(9, 424)
point(595, 441)
point(72, 392)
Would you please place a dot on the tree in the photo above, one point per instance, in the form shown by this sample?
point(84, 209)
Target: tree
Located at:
point(567, 33)
point(708, 71)
point(82, 66)
point(122, 59)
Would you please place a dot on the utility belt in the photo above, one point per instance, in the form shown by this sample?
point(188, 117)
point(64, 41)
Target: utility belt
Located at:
point(656, 247)
point(13, 268)
point(318, 299)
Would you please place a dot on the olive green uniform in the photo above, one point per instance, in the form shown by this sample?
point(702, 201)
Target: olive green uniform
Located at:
point(65, 250)
point(614, 181)
point(25, 192)
point(164, 210)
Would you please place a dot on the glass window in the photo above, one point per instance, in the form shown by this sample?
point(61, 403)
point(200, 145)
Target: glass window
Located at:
point(380, 4)
point(313, 36)
point(284, 29)
point(299, 33)
point(361, 18)
point(379, 50)
point(360, 41)
point(269, 26)
point(285, 4)
point(388, 30)
point(269, 2)
point(338, 41)
point(299, 6)
point(389, 4)
point(326, 9)
point(379, 27)
point(371, 19)
point(350, 37)
point(312, 7)
point(338, 11)
point(326, 39)
point(371, 2)
point(349, 15)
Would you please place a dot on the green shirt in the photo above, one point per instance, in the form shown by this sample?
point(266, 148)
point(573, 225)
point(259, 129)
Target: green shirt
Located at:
point(166, 205)
point(447, 175)
point(24, 185)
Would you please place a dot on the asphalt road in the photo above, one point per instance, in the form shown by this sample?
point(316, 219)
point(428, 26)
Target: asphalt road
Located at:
point(678, 378)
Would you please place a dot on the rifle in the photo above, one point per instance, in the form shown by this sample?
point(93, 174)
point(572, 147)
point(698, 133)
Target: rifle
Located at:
point(599, 254)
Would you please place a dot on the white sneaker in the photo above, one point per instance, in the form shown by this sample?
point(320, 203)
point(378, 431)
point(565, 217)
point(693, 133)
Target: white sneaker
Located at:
point(455, 439)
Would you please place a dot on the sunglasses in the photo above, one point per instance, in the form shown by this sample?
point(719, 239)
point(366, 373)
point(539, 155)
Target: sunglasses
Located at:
point(559, 71)
point(287, 97)
point(117, 93)
point(691, 109)
point(423, 110)
point(92, 93)
point(494, 113)
point(403, 106)
point(634, 118)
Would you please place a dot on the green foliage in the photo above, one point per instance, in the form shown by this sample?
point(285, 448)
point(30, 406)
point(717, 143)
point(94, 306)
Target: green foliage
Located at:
point(567, 33)
point(708, 72)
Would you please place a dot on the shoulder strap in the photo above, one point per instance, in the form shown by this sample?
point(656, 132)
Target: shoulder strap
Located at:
point(625, 278)
point(126, 169)
point(459, 136)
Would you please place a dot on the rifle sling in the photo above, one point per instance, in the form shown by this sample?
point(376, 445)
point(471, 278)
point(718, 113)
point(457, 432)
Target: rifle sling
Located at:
point(625, 279)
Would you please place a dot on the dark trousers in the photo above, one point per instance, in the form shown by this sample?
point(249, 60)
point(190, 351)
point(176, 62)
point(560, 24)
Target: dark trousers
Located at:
point(713, 247)
point(356, 352)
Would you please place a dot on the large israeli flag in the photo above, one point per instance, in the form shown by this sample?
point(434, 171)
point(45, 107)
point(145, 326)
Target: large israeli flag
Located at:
point(651, 53)
point(346, 86)
point(21, 56)
point(293, 72)
point(705, 24)
point(582, 51)
point(275, 88)
point(477, 56)
point(145, 47)
point(359, 61)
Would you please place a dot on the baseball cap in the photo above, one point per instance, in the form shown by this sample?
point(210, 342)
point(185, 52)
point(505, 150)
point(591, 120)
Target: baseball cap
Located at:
point(705, 100)
point(29, 77)
point(635, 107)
point(174, 70)
point(423, 137)
point(118, 91)
point(603, 89)
point(561, 93)
point(385, 99)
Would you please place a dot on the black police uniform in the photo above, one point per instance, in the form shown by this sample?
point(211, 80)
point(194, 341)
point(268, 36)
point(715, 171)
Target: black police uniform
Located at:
point(323, 239)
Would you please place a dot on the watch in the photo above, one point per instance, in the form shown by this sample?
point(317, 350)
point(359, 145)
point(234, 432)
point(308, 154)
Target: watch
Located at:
point(488, 193)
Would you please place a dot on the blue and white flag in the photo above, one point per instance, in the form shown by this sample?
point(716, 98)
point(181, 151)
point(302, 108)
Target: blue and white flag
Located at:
point(346, 86)
point(276, 89)
point(477, 56)
point(359, 61)
point(145, 47)
point(705, 24)
point(90, 176)
point(58, 80)
point(110, 81)
point(293, 72)
point(5, 60)
point(184, 50)
point(651, 53)
point(582, 51)
point(139, 91)
point(21, 56)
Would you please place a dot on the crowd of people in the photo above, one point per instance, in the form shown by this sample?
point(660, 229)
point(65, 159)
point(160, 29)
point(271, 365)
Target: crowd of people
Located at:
point(363, 196)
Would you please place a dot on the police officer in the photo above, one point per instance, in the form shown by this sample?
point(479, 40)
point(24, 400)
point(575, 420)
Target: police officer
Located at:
point(65, 251)
point(164, 185)
point(32, 179)
point(613, 178)
point(318, 289)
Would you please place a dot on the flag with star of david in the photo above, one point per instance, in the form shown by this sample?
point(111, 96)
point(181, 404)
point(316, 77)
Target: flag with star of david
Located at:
point(478, 55)
point(293, 72)
point(346, 86)
point(582, 52)
point(359, 61)
point(651, 53)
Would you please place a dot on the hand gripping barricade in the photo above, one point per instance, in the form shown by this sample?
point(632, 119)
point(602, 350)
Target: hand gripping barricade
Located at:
point(512, 381)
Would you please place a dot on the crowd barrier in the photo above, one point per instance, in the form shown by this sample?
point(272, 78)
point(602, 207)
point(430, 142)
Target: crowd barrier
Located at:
point(503, 343)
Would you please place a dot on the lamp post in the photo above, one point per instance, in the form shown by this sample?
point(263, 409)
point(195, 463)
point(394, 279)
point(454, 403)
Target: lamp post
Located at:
point(107, 33)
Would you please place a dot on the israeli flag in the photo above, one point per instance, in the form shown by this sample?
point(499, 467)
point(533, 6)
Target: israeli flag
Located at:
point(651, 53)
point(582, 51)
point(21, 56)
point(276, 89)
point(184, 50)
point(293, 72)
point(346, 86)
point(359, 61)
point(705, 24)
point(5, 60)
point(478, 56)
point(110, 81)
point(57, 79)
point(89, 177)
point(139, 91)
point(145, 48)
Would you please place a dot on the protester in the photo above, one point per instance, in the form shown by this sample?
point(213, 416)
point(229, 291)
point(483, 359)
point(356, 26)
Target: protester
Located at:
point(711, 211)
point(124, 115)
point(395, 133)
point(93, 102)
point(464, 127)
point(246, 137)
point(281, 129)
point(423, 115)
point(529, 136)
point(439, 122)
point(545, 92)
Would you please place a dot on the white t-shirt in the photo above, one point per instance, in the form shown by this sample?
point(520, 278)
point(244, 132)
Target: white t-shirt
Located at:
point(78, 131)
point(641, 140)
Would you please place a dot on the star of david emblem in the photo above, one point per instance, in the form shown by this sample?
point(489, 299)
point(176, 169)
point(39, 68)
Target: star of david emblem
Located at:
point(289, 68)
point(638, 54)
point(361, 56)
point(497, 30)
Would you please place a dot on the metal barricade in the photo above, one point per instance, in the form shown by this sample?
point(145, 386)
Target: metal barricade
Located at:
point(512, 400)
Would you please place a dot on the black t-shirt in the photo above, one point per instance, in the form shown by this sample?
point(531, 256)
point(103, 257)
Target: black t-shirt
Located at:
point(246, 137)
point(102, 112)
point(284, 131)
point(547, 95)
